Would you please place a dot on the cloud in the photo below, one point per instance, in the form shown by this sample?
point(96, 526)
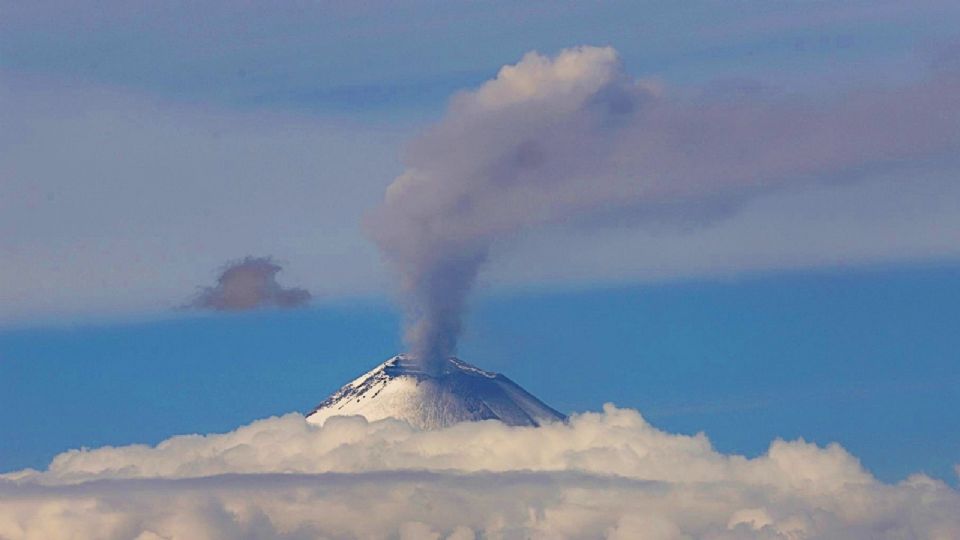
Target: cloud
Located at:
point(279, 56)
point(249, 283)
point(93, 174)
point(608, 474)
point(573, 140)
point(121, 202)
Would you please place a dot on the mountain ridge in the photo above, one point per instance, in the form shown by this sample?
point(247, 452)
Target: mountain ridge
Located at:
point(457, 392)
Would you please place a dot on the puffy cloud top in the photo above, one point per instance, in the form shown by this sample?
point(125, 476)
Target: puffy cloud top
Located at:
point(570, 77)
point(608, 474)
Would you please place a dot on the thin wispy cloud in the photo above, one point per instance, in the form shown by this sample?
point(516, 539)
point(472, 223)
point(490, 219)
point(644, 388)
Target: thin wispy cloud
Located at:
point(122, 203)
point(109, 133)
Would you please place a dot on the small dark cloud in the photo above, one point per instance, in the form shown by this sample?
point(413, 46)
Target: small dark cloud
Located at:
point(249, 283)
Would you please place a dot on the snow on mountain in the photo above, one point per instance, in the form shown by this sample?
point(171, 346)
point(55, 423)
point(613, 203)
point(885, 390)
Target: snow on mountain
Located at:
point(398, 388)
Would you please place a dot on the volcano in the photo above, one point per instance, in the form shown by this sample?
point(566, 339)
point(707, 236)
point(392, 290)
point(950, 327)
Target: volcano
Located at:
point(457, 392)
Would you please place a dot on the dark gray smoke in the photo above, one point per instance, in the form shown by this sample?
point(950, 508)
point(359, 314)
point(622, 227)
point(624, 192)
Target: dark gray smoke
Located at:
point(249, 283)
point(573, 139)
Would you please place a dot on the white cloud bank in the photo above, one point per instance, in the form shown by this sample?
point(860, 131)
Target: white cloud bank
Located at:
point(609, 475)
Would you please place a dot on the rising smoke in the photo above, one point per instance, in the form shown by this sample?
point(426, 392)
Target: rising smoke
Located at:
point(574, 139)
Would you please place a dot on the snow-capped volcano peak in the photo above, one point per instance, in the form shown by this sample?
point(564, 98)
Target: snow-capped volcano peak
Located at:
point(457, 392)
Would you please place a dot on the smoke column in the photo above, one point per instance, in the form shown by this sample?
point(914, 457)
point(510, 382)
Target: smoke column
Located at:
point(574, 139)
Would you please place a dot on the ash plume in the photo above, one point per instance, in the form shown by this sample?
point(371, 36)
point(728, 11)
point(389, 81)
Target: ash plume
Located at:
point(249, 283)
point(574, 139)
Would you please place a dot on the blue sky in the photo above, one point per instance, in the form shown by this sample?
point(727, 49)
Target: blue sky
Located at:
point(866, 358)
point(147, 146)
point(144, 148)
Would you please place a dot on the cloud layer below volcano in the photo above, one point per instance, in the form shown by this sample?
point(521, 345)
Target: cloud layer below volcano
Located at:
point(608, 474)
